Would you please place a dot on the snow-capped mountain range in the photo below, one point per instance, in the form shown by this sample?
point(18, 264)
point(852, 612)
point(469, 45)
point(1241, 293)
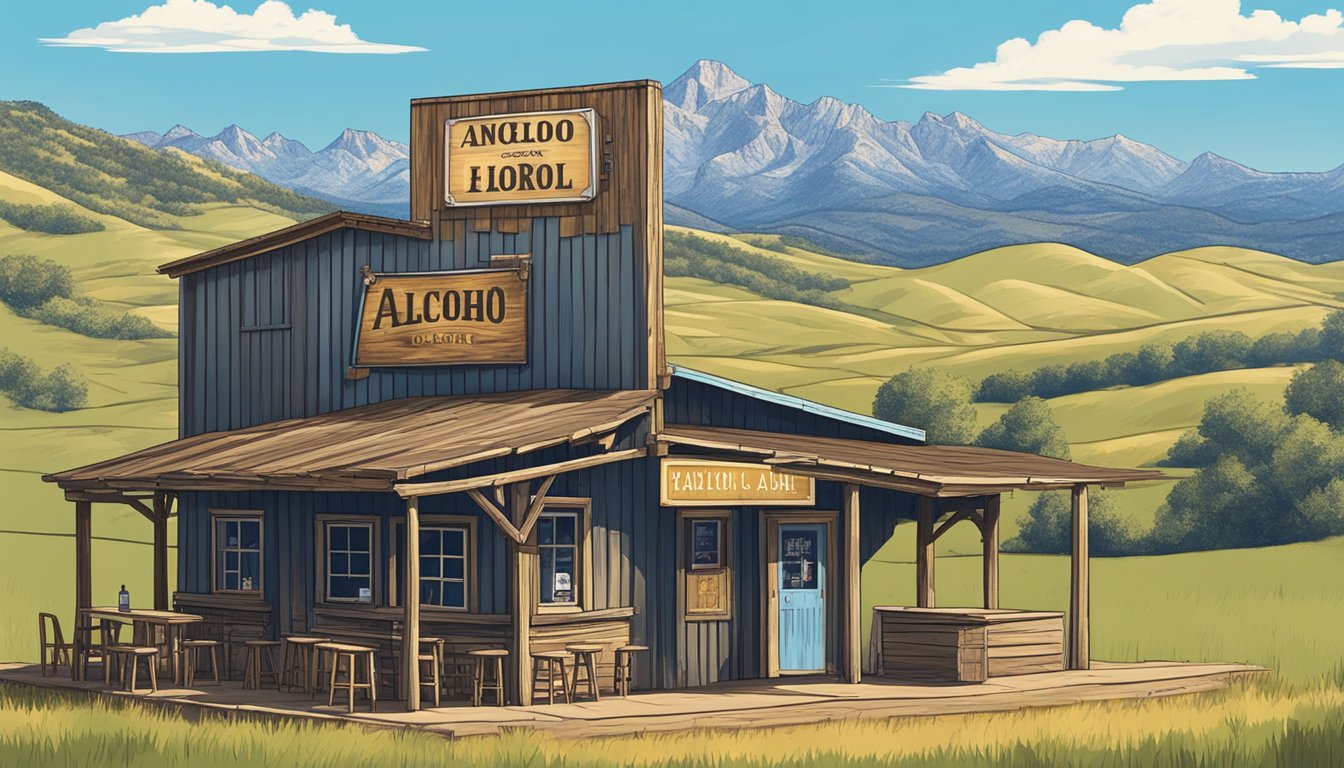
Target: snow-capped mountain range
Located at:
point(360, 170)
point(740, 156)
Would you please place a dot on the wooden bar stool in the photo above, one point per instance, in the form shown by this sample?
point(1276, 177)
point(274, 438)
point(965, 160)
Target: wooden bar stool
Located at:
point(545, 664)
point(260, 654)
point(53, 650)
point(354, 656)
point(433, 658)
point(128, 657)
point(298, 663)
point(625, 667)
point(191, 652)
point(480, 682)
point(585, 661)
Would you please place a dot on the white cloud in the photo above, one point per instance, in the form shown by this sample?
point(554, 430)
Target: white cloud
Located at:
point(199, 26)
point(1163, 40)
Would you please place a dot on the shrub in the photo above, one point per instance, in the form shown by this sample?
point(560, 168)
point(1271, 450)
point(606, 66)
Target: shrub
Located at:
point(1048, 527)
point(933, 400)
point(49, 219)
point(1028, 426)
point(63, 389)
point(90, 318)
point(27, 281)
point(687, 255)
point(1318, 391)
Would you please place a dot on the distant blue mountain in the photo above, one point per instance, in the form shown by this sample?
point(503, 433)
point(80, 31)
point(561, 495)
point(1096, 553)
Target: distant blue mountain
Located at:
point(741, 156)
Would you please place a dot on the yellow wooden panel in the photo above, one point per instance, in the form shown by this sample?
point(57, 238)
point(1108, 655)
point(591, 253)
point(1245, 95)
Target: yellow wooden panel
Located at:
point(477, 316)
point(690, 482)
point(521, 158)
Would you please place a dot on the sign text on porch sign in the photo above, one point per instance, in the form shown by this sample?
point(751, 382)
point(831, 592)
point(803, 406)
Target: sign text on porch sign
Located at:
point(696, 483)
point(533, 157)
point(443, 318)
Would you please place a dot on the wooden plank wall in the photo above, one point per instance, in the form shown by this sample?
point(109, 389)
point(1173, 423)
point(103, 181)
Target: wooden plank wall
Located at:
point(698, 404)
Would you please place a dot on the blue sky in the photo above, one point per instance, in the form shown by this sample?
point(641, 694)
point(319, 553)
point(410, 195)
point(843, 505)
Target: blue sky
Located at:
point(1276, 116)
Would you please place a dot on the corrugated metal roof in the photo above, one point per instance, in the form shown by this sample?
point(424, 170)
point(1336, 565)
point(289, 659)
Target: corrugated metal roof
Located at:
point(792, 401)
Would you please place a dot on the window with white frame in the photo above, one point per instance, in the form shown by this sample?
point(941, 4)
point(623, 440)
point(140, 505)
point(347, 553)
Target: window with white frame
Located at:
point(349, 561)
point(237, 552)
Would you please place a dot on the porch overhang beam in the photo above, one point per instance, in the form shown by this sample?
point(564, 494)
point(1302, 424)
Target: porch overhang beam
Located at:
point(517, 475)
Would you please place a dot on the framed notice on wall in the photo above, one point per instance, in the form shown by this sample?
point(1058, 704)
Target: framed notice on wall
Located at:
point(443, 318)
point(529, 157)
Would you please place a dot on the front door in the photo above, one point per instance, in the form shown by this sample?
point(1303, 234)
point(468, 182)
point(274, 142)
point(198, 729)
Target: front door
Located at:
point(802, 597)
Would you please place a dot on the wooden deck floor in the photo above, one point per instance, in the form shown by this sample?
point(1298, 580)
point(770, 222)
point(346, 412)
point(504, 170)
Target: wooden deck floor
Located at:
point(750, 704)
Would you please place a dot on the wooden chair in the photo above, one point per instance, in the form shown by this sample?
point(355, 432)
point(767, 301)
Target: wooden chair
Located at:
point(487, 674)
point(299, 662)
point(93, 650)
point(128, 657)
point(625, 667)
point(545, 666)
point(434, 660)
point(260, 654)
point(354, 656)
point(191, 653)
point(585, 662)
point(53, 649)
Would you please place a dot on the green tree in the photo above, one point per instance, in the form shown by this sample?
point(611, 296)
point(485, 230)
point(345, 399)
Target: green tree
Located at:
point(1323, 509)
point(1218, 506)
point(1318, 391)
point(1211, 351)
point(1048, 526)
point(934, 400)
point(27, 281)
point(1028, 426)
point(1004, 387)
point(1237, 423)
point(1331, 340)
point(1153, 363)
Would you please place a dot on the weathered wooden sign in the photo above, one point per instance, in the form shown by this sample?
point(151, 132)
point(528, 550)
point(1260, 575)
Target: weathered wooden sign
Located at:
point(443, 318)
point(696, 483)
point(533, 157)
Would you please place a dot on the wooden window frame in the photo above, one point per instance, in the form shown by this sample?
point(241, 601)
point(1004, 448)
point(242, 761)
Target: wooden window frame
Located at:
point(322, 585)
point(584, 509)
point(218, 515)
point(685, 517)
point(471, 571)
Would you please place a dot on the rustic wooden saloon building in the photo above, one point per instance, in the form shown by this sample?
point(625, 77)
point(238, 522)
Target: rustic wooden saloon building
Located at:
point(464, 425)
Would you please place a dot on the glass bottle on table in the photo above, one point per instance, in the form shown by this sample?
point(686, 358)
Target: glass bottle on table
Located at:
point(124, 600)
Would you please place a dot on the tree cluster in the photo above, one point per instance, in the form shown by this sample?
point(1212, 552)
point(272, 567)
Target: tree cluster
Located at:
point(27, 385)
point(688, 255)
point(49, 219)
point(1048, 527)
point(1157, 361)
point(43, 290)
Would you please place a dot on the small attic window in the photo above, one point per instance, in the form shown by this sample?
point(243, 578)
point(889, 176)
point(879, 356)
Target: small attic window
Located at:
point(265, 294)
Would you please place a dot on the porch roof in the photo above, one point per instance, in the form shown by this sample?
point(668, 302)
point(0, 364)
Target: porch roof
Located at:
point(367, 448)
point(934, 470)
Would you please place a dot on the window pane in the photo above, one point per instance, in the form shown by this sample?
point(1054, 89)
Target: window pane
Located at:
point(250, 563)
point(430, 592)
point(230, 581)
point(453, 567)
point(340, 564)
point(340, 587)
point(250, 534)
point(454, 541)
point(429, 542)
point(564, 529)
point(429, 566)
point(564, 575)
point(338, 537)
point(360, 582)
point(545, 530)
point(454, 594)
point(359, 564)
point(231, 533)
point(230, 561)
point(359, 538)
point(547, 575)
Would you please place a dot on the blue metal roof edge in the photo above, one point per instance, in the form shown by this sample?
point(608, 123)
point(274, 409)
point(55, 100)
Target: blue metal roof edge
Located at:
point(793, 401)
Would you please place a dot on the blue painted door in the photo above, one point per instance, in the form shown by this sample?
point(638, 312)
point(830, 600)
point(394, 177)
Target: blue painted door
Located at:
point(802, 597)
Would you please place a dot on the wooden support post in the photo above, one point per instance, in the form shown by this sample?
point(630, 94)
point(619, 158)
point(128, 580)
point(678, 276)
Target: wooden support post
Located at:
point(924, 554)
point(410, 603)
point(160, 552)
point(523, 560)
point(853, 606)
point(989, 533)
point(83, 577)
point(1079, 638)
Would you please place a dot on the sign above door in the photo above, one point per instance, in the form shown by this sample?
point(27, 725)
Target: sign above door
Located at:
point(531, 157)
point(699, 483)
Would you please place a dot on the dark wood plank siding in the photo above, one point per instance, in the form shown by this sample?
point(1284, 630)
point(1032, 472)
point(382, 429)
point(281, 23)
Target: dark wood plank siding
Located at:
point(700, 404)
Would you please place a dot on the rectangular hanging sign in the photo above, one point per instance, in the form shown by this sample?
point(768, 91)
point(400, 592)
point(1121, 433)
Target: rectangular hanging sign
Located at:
point(443, 318)
point(698, 483)
point(531, 157)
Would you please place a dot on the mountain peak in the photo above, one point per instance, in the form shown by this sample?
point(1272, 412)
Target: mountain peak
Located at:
point(707, 80)
point(180, 131)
